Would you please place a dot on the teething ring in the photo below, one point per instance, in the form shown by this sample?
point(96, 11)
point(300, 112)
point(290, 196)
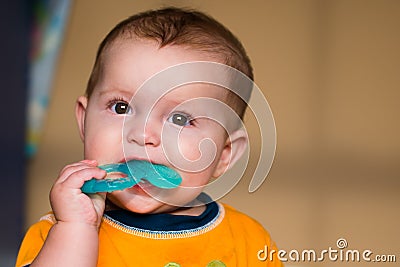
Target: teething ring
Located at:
point(135, 171)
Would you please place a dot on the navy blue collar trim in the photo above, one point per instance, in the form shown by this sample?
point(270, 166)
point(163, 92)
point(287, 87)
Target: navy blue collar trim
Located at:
point(166, 222)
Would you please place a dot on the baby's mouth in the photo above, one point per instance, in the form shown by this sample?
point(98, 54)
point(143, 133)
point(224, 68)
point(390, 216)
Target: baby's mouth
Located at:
point(144, 185)
point(115, 175)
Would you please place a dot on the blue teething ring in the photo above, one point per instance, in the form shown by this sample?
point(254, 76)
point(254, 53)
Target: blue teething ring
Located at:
point(136, 170)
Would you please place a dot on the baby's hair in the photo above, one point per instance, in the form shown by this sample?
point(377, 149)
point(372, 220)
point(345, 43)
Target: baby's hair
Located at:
point(180, 27)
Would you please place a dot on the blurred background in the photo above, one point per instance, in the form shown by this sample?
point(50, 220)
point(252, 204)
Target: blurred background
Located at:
point(330, 72)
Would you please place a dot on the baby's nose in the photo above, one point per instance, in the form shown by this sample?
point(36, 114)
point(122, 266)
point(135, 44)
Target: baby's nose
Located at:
point(142, 130)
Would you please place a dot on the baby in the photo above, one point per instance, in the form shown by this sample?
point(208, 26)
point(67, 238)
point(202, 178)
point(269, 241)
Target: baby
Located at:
point(148, 100)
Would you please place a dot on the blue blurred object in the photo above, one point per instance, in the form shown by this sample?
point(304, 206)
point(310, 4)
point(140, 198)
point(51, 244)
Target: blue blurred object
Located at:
point(49, 23)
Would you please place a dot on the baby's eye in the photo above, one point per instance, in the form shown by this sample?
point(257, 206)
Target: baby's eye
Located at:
point(121, 107)
point(179, 119)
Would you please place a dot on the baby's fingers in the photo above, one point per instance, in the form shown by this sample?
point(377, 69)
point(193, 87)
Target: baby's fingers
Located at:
point(74, 167)
point(71, 168)
point(81, 174)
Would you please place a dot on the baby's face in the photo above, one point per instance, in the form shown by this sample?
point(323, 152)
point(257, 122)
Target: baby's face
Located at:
point(122, 123)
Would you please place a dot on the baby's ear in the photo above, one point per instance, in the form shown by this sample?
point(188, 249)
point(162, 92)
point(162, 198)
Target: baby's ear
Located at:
point(234, 148)
point(80, 112)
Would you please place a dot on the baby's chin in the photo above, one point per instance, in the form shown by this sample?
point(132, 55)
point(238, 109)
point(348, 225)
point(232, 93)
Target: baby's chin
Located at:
point(148, 199)
point(138, 203)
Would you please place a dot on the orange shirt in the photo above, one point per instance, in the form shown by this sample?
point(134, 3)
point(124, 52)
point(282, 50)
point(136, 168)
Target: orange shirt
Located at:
point(230, 239)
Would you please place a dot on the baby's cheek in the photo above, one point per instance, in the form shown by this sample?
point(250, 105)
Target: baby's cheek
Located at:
point(103, 145)
point(192, 183)
point(195, 148)
point(189, 149)
point(201, 157)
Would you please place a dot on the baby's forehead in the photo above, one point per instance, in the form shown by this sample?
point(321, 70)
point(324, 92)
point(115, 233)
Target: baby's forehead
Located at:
point(145, 58)
point(193, 96)
point(197, 90)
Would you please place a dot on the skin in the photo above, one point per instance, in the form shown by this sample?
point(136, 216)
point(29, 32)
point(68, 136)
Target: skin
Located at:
point(110, 136)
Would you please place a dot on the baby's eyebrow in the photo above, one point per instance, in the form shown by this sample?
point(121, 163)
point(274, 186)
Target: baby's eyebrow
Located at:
point(171, 101)
point(115, 91)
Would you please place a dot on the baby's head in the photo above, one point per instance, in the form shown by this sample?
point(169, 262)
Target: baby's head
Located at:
point(188, 29)
point(183, 120)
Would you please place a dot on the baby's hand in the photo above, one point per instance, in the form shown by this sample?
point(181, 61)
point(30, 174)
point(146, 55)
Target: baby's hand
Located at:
point(68, 202)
